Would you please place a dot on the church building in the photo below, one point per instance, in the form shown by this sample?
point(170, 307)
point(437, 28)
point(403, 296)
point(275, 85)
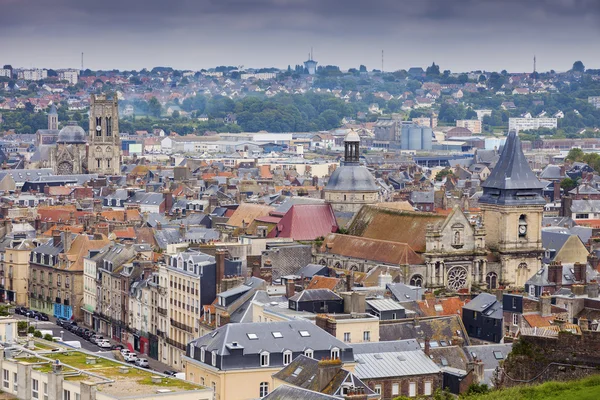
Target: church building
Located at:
point(104, 154)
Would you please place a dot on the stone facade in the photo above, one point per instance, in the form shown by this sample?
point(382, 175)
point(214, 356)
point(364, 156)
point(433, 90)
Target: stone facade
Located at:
point(455, 255)
point(104, 156)
point(386, 386)
point(350, 201)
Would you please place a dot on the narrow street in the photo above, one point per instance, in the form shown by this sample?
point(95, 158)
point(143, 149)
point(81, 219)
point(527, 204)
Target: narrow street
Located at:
point(57, 331)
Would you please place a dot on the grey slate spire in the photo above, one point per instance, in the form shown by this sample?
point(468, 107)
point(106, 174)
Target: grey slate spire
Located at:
point(512, 182)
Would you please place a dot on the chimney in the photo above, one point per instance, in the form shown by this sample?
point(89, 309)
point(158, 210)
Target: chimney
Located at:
point(556, 190)
point(68, 241)
point(357, 393)
point(256, 269)
point(290, 288)
point(565, 206)
point(563, 171)
point(427, 348)
point(583, 324)
point(580, 273)
point(224, 319)
point(158, 226)
point(349, 281)
point(592, 289)
point(168, 196)
point(56, 237)
point(458, 341)
point(328, 369)
point(477, 367)
point(220, 261)
point(545, 304)
point(182, 230)
point(555, 272)
point(593, 260)
point(578, 289)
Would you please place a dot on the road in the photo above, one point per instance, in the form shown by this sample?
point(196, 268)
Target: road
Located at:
point(57, 331)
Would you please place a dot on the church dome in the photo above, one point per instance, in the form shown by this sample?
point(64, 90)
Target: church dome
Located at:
point(72, 133)
point(351, 178)
point(352, 137)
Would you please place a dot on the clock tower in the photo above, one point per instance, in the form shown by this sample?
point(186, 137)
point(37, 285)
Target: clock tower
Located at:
point(104, 152)
point(512, 205)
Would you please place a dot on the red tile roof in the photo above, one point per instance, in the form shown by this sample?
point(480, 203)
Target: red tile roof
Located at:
point(128, 233)
point(323, 282)
point(449, 306)
point(371, 249)
point(537, 321)
point(306, 222)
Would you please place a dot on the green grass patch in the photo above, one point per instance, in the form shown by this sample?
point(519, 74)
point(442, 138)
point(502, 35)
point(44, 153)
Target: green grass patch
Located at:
point(170, 383)
point(584, 389)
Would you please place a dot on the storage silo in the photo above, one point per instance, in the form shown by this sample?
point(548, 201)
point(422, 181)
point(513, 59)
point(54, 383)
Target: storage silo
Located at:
point(404, 137)
point(426, 138)
point(414, 138)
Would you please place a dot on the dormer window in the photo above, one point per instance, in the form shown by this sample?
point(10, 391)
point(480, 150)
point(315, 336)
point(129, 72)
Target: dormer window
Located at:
point(192, 349)
point(287, 357)
point(335, 353)
point(202, 354)
point(309, 353)
point(264, 359)
point(214, 358)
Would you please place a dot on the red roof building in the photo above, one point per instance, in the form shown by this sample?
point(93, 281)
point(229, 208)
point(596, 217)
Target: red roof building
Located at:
point(306, 222)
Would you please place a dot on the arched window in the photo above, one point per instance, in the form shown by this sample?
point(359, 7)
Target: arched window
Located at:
point(491, 280)
point(457, 237)
point(416, 280)
point(263, 389)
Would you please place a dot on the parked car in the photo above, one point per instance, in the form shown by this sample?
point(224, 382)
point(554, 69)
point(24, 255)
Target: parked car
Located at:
point(43, 317)
point(124, 352)
point(31, 314)
point(142, 362)
point(170, 372)
point(94, 339)
point(104, 344)
point(117, 347)
point(88, 334)
point(82, 332)
point(131, 357)
point(61, 322)
point(21, 310)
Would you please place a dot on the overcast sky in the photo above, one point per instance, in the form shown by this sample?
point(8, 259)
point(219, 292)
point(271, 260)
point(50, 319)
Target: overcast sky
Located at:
point(460, 35)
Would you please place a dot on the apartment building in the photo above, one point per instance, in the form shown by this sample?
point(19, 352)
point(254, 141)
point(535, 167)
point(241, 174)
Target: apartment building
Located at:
point(474, 125)
point(70, 75)
point(14, 267)
point(525, 124)
point(35, 74)
point(194, 281)
point(56, 272)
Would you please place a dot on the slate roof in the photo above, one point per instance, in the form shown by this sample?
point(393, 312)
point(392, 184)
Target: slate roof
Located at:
point(304, 372)
point(286, 392)
point(487, 304)
point(404, 293)
point(450, 356)
point(291, 339)
point(315, 295)
point(585, 206)
point(510, 175)
point(540, 278)
point(394, 364)
point(386, 347)
point(422, 197)
point(296, 200)
point(311, 270)
point(485, 353)
point(552, 172)
point(441, 328)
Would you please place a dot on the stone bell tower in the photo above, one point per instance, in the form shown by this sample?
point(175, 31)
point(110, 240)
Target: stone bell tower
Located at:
point(104, 153)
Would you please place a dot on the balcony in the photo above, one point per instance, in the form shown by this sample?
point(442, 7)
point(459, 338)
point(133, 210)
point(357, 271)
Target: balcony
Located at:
point(162, 311)
point(161, 334)
point(173, 343)
point(181, 326)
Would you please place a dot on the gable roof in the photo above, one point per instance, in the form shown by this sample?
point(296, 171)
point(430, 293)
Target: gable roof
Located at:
point(315, 295)
point(383, 251)
point(393, 225)
point(394, 364)
point(306, 222)
point(323, 282)
point(245, 213)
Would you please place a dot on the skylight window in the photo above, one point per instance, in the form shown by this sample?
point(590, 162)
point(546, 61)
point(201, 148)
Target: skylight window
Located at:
point(297, 372)
point(252, 336)
point(444, 362)
point(498, 355)
point(304, 333)
point(277, 335)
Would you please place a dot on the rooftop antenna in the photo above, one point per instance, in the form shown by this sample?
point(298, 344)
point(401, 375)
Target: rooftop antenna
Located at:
point(382, 61)
point(534, 69)
point(311, 53)
point(82, 61)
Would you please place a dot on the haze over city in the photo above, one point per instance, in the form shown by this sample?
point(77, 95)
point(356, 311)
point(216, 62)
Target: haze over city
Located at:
point(460, 35)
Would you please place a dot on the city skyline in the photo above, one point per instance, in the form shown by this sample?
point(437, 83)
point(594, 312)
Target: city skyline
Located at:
point(462, 35)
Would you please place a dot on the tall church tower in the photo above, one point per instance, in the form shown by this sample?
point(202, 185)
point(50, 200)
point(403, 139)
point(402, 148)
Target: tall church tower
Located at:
point(104, 153)
point(512, 206)
point(53, 119)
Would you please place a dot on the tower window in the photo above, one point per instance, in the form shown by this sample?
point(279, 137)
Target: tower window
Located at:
point(98, 126)
point(99, 162)
point(108, 126)
point(108, 163)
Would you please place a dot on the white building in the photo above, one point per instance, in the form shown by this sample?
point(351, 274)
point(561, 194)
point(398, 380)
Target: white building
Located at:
point(71, 75)
point(525, 124)
point(32, 74)
point(483, 113)
point(259, 75)
point(5, 72)
point(593, 100)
